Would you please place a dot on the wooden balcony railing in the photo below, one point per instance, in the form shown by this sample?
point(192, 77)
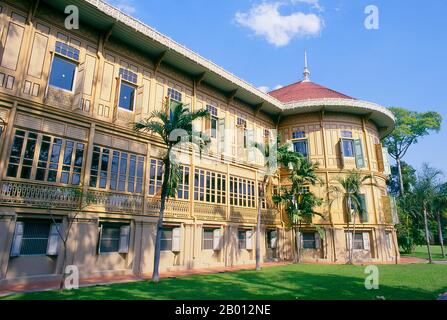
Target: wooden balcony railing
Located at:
point(208, 211)
point(39, 195)
point(115, 202)
point(30, 194)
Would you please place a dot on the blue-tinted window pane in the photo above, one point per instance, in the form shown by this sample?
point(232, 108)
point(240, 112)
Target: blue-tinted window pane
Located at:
point(127, 94)
point(301, 147)
point(298, 134)
point(62, 73)
point(348, 149)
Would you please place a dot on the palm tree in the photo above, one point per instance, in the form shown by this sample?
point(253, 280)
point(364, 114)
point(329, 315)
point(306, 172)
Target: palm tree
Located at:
point(425, 191)
point(273, 155)
point(348, 189)
point(440, 207)
point(172, 124)
point(300, 202)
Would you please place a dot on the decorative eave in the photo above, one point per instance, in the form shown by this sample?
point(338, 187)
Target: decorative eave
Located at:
point(381, 116)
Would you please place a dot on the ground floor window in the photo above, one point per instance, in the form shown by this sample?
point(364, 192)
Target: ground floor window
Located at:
point(309, 241)
point(358, 241)
point(272, 239)
point(114, 237)
point(242, 239)
point(166, 239)
point(361, 240)
point(208, 239)
point(245, 239)
point(35, 237)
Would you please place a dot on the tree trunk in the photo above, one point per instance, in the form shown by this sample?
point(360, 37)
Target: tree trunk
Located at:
point(401, 182)
point(64, 259)
point(441, 238)
point(351, 253)
point(258, 236)
point(298, 245)
point(427, 236)
point(164, 193)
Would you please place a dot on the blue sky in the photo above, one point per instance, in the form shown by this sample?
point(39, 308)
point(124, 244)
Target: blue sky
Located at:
point(403, 63)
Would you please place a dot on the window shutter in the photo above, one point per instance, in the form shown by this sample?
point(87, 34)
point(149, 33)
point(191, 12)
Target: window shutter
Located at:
point(317, 240)
point(301, 239)
point(45, 96)
point(117, 97)
point(306, 147)
point(222, 146)
point(386, 163)
point(99, 238)
point(359, 158)
point(54, 239)
point(342, 154)
point(208, 125)
point(364, 216)
point(217, 239)
point(273, 239)
point(124, 239)
point(290, 146)
point(249, 240)
point(251, 148)
point(17, 241)
point(393, 210)
point(379, 155)
point(240, 141)
point(366, 241)
point(176, 239)
point(348, 240)
point(79, 87)
point(139, 101)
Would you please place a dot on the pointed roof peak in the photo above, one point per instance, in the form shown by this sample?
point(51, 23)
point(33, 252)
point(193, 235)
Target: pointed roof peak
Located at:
point(306, 72)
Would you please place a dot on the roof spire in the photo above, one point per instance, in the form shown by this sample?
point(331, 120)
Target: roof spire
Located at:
point(306, 72)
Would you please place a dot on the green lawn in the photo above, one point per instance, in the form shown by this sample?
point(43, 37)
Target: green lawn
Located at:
point(421, 252)
point(305, 281)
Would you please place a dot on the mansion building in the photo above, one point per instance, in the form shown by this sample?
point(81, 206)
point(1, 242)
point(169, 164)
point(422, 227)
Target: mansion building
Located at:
point(69, 157)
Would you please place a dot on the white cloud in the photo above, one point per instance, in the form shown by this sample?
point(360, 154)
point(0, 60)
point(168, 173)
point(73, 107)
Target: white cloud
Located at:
point(266, 89)
point(124, 5)
point(313, 3)
point(266, 21)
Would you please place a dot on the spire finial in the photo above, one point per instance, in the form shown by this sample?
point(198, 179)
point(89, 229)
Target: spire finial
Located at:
point(306, 72)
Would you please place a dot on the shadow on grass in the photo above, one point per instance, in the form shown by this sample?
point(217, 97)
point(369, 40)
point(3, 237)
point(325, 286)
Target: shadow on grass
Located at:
point(288, 282)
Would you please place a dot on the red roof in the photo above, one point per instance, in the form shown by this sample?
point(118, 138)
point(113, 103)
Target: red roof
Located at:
point(305, 90)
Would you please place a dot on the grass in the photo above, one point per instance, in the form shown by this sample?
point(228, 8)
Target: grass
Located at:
point(421, 252)
point(304, 281)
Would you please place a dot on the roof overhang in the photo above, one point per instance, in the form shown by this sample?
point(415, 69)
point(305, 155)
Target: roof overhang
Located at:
point(104, 17)
point(381, 116)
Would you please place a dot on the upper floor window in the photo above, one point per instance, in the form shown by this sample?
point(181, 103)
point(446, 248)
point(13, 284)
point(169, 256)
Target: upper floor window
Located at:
point(58, 159)
point(156, 179)
point(120, 171)
point(300, 143)
point(242, 192)
point(174, 95)
point(128, 80)
point(212, 121)
point(298, 134)
point(209, 186)
point(63, 66)
point(348, 148)
point(242, 134)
